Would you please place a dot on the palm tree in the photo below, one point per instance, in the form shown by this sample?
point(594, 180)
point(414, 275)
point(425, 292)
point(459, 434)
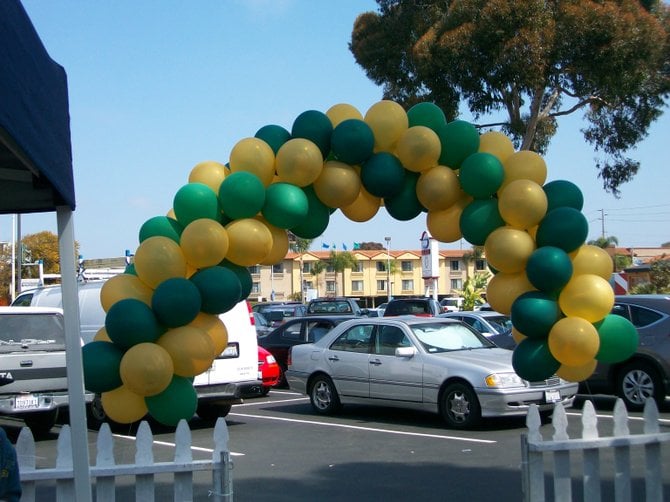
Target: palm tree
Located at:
point(300, 246)
point(317, 268)
point(604, 242)
point(476, 253)
point(340, 261)
point(473, 289)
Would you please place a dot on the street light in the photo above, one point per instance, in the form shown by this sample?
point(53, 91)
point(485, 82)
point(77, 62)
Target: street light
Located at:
point(388, 266)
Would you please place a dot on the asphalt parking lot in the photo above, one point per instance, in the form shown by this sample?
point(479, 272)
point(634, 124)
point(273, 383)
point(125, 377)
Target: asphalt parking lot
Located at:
point(282, 451)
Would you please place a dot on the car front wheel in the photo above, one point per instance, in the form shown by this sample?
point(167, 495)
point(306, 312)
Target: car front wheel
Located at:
point(460, 406)
point(210, 411)
point(638, 381)
point(323, 396)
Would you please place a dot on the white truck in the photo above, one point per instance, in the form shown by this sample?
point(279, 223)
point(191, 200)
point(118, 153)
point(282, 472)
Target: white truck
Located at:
point(233, 373)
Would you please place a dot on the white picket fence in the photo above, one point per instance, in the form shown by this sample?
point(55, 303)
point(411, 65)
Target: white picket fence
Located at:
point(533, 447)
point(106, 470)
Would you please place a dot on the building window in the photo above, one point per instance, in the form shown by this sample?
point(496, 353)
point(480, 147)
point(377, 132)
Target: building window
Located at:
point(330, 286)
point(307, 267)
point(309, 285)
point(406, 266)
point(357, 285)
point(278, 268)
point(255, 269)
point(480, 264)
point(456, 284)
point(381, 285)
point(455, 266)
point(408, 285)
point(381, 266)
point(358, 267)
point(329, 268)
point(256, 287)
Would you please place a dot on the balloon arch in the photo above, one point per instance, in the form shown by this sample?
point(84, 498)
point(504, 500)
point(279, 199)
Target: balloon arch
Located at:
point(162, 326)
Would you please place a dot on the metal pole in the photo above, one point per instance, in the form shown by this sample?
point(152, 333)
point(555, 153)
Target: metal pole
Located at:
point(388, 266)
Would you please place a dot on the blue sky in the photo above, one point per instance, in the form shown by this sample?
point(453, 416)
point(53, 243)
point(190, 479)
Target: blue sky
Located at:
point(156, 87)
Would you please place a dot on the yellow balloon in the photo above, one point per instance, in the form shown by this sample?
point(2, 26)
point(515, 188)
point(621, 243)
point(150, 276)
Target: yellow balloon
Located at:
point(577, 373)
point(255, 156)
point(388, 121)
point(522, 204)
point(573, 341)
point(418, 148)
point(157, 259)
point(122, 286)
point(508, 249)
point(588, 296)
point(517, 336)
point(210, 173)
point(204, 243)
point(364, 208)
point(438, 188)
point(215, 329)
point(341, 112)
point(171, 214)
point(504, 288)
point(299, 161)
point(279, 244)
point(444, 225)
point(146, 369)
point(102, 336)
point(338, 185)
point(589, 259)
point(123, 406)
point(524, 165)
point(250, 242)
point(496, 143)
point(191, 350)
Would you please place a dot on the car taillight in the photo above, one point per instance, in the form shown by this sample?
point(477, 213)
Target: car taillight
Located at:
point(289, 358)
point(251, 314)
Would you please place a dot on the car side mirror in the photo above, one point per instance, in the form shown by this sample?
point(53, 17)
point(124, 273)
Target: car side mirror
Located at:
point(405, 351)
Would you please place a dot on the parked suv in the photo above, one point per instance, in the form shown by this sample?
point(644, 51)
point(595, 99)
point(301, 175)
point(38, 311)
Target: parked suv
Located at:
point(335, 306)
point(647, 372)
point(33, 374)
point(426, 307)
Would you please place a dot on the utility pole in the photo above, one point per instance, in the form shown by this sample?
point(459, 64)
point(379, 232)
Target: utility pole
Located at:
point(602, 223)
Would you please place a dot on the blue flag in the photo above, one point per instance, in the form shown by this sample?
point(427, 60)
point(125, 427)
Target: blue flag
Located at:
point(344, 246)
point(325, 246)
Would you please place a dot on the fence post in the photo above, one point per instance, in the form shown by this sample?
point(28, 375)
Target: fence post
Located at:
point(591, 455)
point(562, 479)
point(144, 455)
point(222, 474)
point(183, 481)
point(64, 487)
point(105, 485)
point(25, 455)
point(532, 475)
point(622, 484)
point(653, 481)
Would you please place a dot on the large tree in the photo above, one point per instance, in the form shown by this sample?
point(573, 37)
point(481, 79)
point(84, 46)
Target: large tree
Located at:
point(519, 65)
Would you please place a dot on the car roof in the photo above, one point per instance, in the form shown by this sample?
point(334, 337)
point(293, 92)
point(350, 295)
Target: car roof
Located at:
point(474, 313)
point(660, 302)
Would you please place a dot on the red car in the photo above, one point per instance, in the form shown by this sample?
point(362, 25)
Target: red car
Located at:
point(268, 370)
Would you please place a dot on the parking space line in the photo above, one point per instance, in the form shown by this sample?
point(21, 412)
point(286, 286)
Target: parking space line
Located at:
point(173, 445)
point(279, 401)
point(366, 429)
point(601, 415)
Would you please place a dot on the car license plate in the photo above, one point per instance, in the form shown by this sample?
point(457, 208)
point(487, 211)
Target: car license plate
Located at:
point(552, 396)
point(28, 402)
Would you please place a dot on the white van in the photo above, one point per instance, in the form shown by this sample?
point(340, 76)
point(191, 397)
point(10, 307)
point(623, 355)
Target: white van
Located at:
point(233, 373)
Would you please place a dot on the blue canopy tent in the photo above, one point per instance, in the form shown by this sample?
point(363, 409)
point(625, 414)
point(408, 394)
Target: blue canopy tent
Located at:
point(36, 176)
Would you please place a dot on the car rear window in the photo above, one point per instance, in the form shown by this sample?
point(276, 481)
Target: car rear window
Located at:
point(334, 307)
point(408, 308)
point(28, 331)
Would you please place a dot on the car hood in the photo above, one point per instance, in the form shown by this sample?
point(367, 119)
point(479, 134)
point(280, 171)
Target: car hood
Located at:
point(492, 360)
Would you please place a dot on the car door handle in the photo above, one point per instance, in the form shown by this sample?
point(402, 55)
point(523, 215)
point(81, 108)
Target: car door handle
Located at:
point(333, 358)
point(376, 362)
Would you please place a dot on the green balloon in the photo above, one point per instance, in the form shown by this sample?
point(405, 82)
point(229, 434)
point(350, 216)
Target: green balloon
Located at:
point(383, 175)
point(163, 226)
point(479, 219)
point(285, 206)
point(273, 135)
point(319, 217)
point(352, 141)
point(219, 287)
point(549, 269)
point(130, 321)
point(316, 127)
point(562, 193)
point(241, 195)
point(405, 206)
point(532, 360)
point(619, 339)
point(534, 313)
point(194, 201)
point(459, 140)
point(178, 401)
point(101, 361)
point(243, 275)
point(481, 175)
point(427, 114)
point(130, 269)
point(564, 227)
point(176, 302)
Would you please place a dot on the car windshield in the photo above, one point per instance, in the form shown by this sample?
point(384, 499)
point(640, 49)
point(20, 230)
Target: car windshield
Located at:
point(443, 337)
point(22, 331)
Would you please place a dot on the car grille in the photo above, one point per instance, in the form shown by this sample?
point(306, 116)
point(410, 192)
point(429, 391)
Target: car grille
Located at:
point(550, 382)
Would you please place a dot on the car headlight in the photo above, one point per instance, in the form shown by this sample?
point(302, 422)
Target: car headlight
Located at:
point(503, 380)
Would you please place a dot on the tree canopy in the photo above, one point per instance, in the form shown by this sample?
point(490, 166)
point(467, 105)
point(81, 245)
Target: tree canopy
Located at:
point(519, 65)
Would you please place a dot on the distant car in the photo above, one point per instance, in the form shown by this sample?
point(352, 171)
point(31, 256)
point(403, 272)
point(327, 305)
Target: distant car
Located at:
point(277, 314)
point(646, 374)
point(298, 331)
point(335, 306)
point(432, 364)
point(425, 307)
point(257, 307)
point(451, 304)
point(263, 326)
point(378, 311)
point(268, 370)
point(488, 323)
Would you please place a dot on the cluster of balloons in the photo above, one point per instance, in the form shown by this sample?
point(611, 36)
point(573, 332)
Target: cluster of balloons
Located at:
point(162, 326)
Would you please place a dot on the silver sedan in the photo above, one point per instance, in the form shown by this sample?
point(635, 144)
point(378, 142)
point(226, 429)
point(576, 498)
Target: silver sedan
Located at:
point(434, 364)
